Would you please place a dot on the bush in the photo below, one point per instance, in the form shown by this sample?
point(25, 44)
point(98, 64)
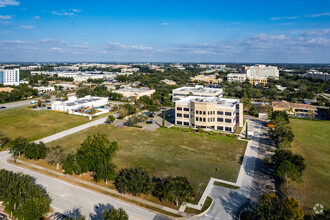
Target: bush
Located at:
point(231, 135)
point(35, 151)
point(134, 180)
point(212, 133)
point(175, 128)
point(186, 130)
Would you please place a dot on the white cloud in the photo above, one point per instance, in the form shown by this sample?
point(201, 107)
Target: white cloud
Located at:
point(29, 27)
point(81, 46)
point(36, 17)
point(164, 24)
point(3, 17)
point(76, 10)
point(297, 17)
point(4, 3)
point(318, 15)
point(50, 40)
point(57, 49)
point(141, 48)
point(71, 12)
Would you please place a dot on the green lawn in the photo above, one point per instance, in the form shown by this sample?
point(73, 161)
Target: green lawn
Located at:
point(168, 152)
point(34, 125)
point(312, 141)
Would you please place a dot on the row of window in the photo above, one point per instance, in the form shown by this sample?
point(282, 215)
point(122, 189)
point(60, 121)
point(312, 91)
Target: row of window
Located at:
point(205, 112)
point(184, 109)
point(226, 128)
point(204, 119)
point(184, 123)
point(184, 115)
point(220, 128)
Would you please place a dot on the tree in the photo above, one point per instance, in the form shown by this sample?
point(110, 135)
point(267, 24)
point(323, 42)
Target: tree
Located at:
point(39, 103)
point(174, 189)
point(282, 135)
point(105, 170)
point(280, 117)
point(152, 108)
point(111, 119)
point(70, 165)
point(46, 96)
point(94, 150)
point(287, 171)
point(4, 140)
point(134, 180)
point(35, 151)
point(56, 156)
point(115, 214)
point(163, 122)
point(17, 145)
point(246, 131)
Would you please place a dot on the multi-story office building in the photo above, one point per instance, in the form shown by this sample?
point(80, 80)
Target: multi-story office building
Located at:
point(210, 79)
point(318, 75)
point(236, 77)
point(9, 77)
point(256, 81)
point(198, 90)
point(261, 71)
point(215, 113)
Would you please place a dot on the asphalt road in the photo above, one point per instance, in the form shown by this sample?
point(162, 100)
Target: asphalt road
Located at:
point(227, 203)
point(17, 104)
point(67, 197)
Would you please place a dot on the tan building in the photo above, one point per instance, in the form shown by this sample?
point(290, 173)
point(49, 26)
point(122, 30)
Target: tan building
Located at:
point(214, 113)
point(294, 108)
point(168, 82)
point(136, 93)
point(198, 90)
point(210, 79)
point(6, 89)
point(236, 77)
point(256, 81)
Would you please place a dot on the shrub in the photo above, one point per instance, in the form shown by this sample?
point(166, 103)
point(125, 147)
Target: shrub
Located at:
point(186, 130)
point(175, 128)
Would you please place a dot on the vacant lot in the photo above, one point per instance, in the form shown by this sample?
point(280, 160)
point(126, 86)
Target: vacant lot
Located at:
point(34, 125)
point(312, 141)
point(168, 152)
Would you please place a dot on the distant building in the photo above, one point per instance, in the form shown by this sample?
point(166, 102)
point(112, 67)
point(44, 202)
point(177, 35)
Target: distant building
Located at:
point(261, 71)
point(129, 71)
point(6, 89)
point(136, 93)
point(168, 82)
point(236, 77)
point(215, 113)
point(318, 75)
point(9, 77)
point(212, 66)
point(65, 86)
point(198, 90)
point(42, 89)
point(210, 79)
point(66, 68)
point(294, 108)
point(256, 81)
point(30, 67)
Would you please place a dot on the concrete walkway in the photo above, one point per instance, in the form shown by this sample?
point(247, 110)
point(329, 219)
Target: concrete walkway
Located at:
point(72, 130)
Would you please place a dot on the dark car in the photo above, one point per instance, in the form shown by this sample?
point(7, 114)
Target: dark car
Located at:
point(150, 122)
point(2, 107)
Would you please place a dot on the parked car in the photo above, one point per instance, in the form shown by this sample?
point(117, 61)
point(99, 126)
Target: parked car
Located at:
point(150, 121)
point(2, 107)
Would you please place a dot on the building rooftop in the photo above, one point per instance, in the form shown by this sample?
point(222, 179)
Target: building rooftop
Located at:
point(198, 89)
point(134, 90)
point(217, 100)
point(285, 104)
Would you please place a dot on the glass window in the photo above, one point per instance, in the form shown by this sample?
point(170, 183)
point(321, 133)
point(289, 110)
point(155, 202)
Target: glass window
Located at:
point(227, 120)
point(196, 118)
point(186, 123)
point(227, 128)
point(228, 113)
point(204, 120)
point(196, 112)
point(220, 119)
point(220, 112)
point(186, 115)
point(220, 128)
point(179, 122)
point(179, 108)
point(204, 112)
point(186, 109)
point(179, 115)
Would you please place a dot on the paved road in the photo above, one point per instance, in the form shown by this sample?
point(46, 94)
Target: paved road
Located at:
point(73, 130)
point(17, 104)
point(228, 202)
point(67, 197)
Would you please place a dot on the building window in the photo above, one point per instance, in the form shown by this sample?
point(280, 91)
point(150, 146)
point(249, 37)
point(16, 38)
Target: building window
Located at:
point(213, 112)
point(208, 120)
point(204, 113)
point(196, 118)
point(220, 112)
point(228, 129)
point(227, 120)
point(228, 113)
point(179, 115)
point(186, 123)
point(186, 115)
point(196, 112)
point(200, 112)
point(204, 120)
point(220, 128)
point(179, 108)
point(186, 109)
point(220, 119)
point(179, 122)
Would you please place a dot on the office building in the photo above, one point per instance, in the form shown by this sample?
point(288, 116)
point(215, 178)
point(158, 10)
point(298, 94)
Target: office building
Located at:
point(9, 77)
point(198, 90)
point(297, 109)
point(214, 113)
point(260, 71)
point(318, 75)
point(136, 93)
point(210, 79)
point(236, 77)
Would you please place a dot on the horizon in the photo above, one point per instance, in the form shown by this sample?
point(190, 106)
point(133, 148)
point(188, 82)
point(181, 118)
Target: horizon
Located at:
point(295, 32)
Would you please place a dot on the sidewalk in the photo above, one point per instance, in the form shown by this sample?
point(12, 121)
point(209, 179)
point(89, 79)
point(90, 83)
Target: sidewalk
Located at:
point(115, 192)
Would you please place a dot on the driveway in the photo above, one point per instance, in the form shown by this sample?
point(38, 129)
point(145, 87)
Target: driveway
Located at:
point(229, 202)
point(67, 197)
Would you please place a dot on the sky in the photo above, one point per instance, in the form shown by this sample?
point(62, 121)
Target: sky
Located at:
point(267, 31)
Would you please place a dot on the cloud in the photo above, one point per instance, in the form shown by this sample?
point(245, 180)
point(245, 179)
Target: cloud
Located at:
point(81, 46)
point(318, 15)
point(164, 24)
point(29, 27)
point(4, 3)
point(125, 48)
point(57, 49)
point(298, 17)
point(36, 17)
point(50, 40)
point(115, 46)
point(71, 12)
point(141, 48)
point(5, 17)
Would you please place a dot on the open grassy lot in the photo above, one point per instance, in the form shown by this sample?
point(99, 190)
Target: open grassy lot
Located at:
point(34, 124)
point(169, 152)
point(312, 141)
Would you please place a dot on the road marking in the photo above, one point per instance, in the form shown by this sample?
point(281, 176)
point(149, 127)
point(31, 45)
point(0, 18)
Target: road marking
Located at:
point(210, 216)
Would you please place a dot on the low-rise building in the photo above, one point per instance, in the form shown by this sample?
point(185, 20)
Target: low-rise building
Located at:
point(215, 113)
point(256, 81)
point(198, 90)
point(136, 93)
point(318, 75)
point(168, 82)
point(65, 86)
point(42, 89)
point(30, 67)
point(236, 77)
point(294, 108)
point(210, 79)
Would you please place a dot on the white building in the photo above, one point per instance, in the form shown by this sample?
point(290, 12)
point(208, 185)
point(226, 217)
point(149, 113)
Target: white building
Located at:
point(318, 75)
point(136, 93)
point(30, 67)
point(9, 77)
point(198, 90)
point(168, 82)
point(129, 71)
point(215, 113)
point(42, 89)
point(66, 68)
point(65, 86)
point(236, 77)
point(260, 71)
point(81, 105)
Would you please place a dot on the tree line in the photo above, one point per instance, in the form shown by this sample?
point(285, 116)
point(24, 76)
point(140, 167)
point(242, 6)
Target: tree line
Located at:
point(19, 93)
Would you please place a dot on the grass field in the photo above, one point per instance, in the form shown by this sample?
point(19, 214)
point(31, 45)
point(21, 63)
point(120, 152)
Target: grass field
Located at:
point(34, 125)
point(168, 152)
point(312, 141)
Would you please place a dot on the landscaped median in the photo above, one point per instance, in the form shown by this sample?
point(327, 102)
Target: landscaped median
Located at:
point(164, 152)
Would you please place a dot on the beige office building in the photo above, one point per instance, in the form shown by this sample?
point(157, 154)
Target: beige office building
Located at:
point(236, 77)
point(136, 93)
point(214, 113)
point(198, 90)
